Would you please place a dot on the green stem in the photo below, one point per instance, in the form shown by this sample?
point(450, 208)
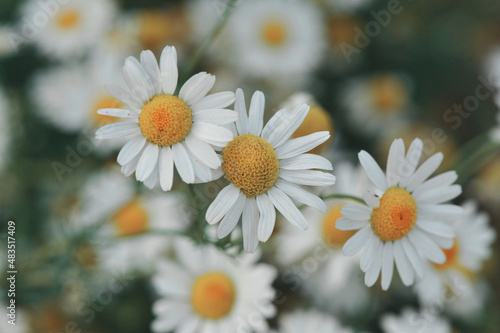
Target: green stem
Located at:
point(470, 166)
point(210, 37)
point(343, 196)
point(471, 147)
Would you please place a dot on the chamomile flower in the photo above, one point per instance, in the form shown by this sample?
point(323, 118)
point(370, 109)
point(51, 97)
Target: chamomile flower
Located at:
point(474, 238)
point(208, 291)
point(377, 102)
point(311, 321)
point(411, 321)
point(404, 221)
point(167, 130)
point(70, 28)
point(277, 38)
point(264, 170)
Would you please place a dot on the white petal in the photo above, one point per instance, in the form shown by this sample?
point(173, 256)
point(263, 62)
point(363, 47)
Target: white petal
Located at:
point(152, 180)
point(139, 82)
point(297, 146)
point(129, 168)
point(372, 170)
point(436, 228)
point(147, 162)
point(256, 113)
point(413, 256)
point(440, 195)
point(183, 163)
point(119, 113)
point(124, 96)
point(373, 271)
point(394, 160)
point(241, 109)
point(203, 173)
point(306, 161)
point(220, 100)
point(357, 242)
point(131, 149)
point(301, 195)
point(249, 223)
point(166, 168)
point(169, 71)
point(203, 151)
point(426, 246)
point(403, 264)
point(444, 179)
point(287, 208)
point(441, 212)
point(117, 130)
point(308, 177)
point(215, 135)
point(222, 203)
point(344, 223)
point(356, 212)
point(371, 199)
point(412, 160)
point(150, 65)
point(387, 265)
point(267, 217)
point(215, 116)
point(283, 124)
point(369, 251)
point(231, 219)
point(196, 87)
point(424, 171)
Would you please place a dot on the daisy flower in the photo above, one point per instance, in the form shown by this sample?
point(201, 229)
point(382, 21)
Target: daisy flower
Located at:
point(311, 321)
point(276, 38)
point(317, 120)
point(473, 242)
point(264, 170)
point(411, 321)
point(377, 102)
point(64, 30)
point(167, 130)
point(207, 291)
point(404, 221)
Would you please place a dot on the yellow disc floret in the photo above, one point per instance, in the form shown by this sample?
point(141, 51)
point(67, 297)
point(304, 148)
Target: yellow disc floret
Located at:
point(213, 295)
point(331, 235)
point(251, 164)
point(68, 19)
point(396, 215)
point(165, 120)
point(317, 120)
point(131, 220)
point(274, 33)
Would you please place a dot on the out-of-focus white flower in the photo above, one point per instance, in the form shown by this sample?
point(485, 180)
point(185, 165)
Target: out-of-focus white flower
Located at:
point(5, 138)
point(411, 321)
point(310, 322)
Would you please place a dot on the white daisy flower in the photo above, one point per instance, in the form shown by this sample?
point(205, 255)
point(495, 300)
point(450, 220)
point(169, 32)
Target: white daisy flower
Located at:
point(311, 321)
point(405, 220)
point(492, 70)
point(276, 38)
point(5, 127)
point(322, 243)
point(495, 132)
point(264, 170)
point(411, 321)
point(377, 102)
point(166, 130)
point(64, 30)
point(207, 291)
point(473, 242)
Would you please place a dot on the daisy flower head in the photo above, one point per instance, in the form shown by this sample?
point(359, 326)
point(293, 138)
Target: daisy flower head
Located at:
point(70, 28)
point(405, 220)
point(473, 245)
point(165, 130)
point(208, 291)
point(264, 169)
point(300, 321)
point(411, 321)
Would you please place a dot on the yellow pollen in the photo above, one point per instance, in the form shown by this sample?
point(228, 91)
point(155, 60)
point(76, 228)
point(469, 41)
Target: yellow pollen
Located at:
point(396, 215)
point(68, 19)
point(131, 220)
point(274, 33)
point(105, 102)
point(251, 164)
point(451, 257)
point(331, 235)
point(389, 93)
point(317, 120)
point(213, 295)
point(165, 120)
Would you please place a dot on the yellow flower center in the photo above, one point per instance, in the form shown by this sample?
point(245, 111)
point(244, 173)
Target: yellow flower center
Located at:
point(68, 19)
point(396, 215)
point(274, 33)
point(251, 164)
point(451, 257)
point(331, 235)
point(165, 120)
point(389, 93)
point(317, 120)
point(213, 295)
point(105, 102)
point(131, 220)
